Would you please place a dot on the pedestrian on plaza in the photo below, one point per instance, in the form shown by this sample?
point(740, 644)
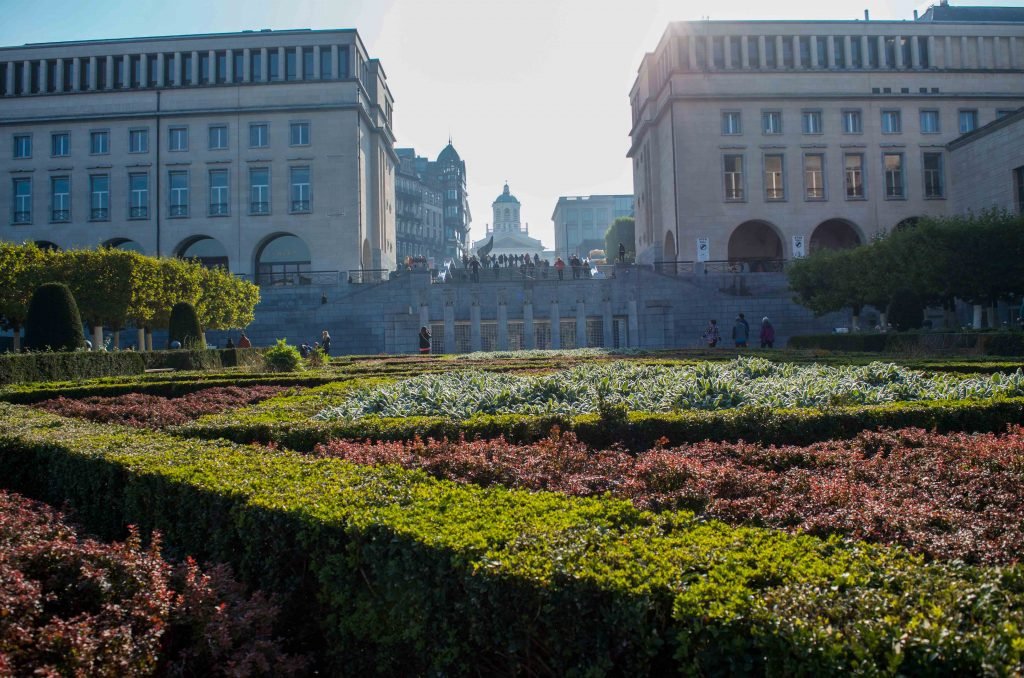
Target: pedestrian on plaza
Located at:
point(740, 331)
point(559, 266)
point(711, 335)
point(767, 333)
point(325, 342)
point(474, 265)
point(243, 341)
point(229, 343)
point(622, 253)
point(424, 340)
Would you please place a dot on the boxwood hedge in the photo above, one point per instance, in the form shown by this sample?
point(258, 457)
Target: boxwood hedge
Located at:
point(50, 366)
point(389, 571)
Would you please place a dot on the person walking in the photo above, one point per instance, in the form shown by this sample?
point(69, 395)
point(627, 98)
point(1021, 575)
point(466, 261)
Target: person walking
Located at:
point(711, 335)
point(740, 331)
point(243, 341)
point(767, 333)
point(622, 253)
point(560, 267)
point(325, 342)
point(229, 343)
point(424, 340)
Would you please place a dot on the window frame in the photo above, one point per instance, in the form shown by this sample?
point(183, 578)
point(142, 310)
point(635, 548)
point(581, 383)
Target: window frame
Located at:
point(891, 121)
point(941, 175)
point(221, 129)
point(176, 209)
point(308, 207)
point(766, 116)
point(96, 134)
point(142, 133)
point(780, 189)
point(265, 126)
point(27, 138)
point(299, 125)
point(862, 168)
point(934, 113)
point(66, 217)
point(812, 114)
point(823, 197)
point(134, 213)
point(219, 208)
point(735, 182)
point(727, 128)
point(856, 114)
point(973, 112)
point(887, 195)
point(181, 130)
point(21, 217)
point(54, 136)
point(97, 212)
point(268, 185)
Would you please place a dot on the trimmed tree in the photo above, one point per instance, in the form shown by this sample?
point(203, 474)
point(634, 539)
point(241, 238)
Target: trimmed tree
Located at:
point(622, 230)
point(53, 321)
point(184, 327)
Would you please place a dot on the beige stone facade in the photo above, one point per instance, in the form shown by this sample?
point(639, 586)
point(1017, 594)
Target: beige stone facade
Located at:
point(766, 140)
point(989, 166)
point(270, 152)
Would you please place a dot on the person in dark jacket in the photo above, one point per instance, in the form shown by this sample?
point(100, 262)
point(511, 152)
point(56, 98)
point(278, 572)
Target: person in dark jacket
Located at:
point(325, 342)
point(740, 331)
point(424, 340)
point(767, 333)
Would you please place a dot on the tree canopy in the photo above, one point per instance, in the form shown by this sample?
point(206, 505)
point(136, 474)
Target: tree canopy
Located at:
point(622, 230)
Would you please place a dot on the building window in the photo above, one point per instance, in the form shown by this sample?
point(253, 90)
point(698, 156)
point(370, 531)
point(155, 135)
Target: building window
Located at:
point(138, 189)
point(774, 187)
point(219, 193)
point(99, 197)
point(218, 137)
point(731, 122)
point(342, 62)
point(178, 139)
point(325, 63)
point(307, 63)
point(290, 65)
point(929, 122)
point(300, 189)
point(22, 146)
point(238, 66)
point(814, 176)
point(60, 199)
point(138, 141)
point(810, 122)
point(894, 184)
point(259, 190)
point(99, 142)
point(256, 66)
point(854, 170)
point(60, 144)
point(771, 122)
point(273, 65)
point(186, 68)
point(934, 181)
point(968, 121)
point(733, 173)
point(891, 123)
point(22, 201)
point(1018, 182)
point(179, 194)
point(852, 123)
point(1003, 112)
point(299, 134)
point(259, 135)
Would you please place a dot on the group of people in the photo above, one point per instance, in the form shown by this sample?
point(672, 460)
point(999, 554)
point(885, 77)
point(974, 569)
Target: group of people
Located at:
point(740, 333)
point(323, 345)
point(580, 267)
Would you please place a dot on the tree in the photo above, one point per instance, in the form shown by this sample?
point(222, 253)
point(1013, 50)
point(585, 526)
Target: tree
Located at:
point(622, 230)
point(23, 268)
point(183, 327)
point(53, 321)
point(102, 281)
point(226, 302)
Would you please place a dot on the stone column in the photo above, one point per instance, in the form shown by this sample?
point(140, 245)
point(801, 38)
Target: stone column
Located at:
point(830, 51)
point(797, 61)
point(607, 329)
point(161, 70)
point(93, 76)
point(298, 63)
point(126, 70)
point(1014, 61)
point(474, 326)
point(982, 59)
point(246, 65)
point(761, 52)
point(211, 69)
point(26, 77)
point(59, 80)
point(502, 326)
point(847, 52)
point(745, 52)
point(915, 57)
point(264, 65)
point(177, 70)
point(144, 69)
point(581, 324)
point(556, 326)
point(76, 75)
point(880, 46)
point(316, 62)
point(727, 49)
point(110, 72)
point(140, 339)
point(195, 68)
point(282, 64)
point(334, 62)
point(814, 51)
point(898, 42)
point(43, 75)
point(449, 326)
point(692, 52)
point(229, 70)
point(709, 52)
point(780, 61)
point(529, 334)
point(634, 324)
point(865, 51)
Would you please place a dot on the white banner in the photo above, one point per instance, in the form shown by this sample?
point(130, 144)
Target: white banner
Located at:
point(798, 247)
point(703, 250)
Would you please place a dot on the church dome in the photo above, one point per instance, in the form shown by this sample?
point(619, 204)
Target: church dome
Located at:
point(506, 196)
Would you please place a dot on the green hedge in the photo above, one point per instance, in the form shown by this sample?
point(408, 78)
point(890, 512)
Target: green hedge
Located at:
point(388, 571)
point(639, 430)
point(203, 359)
point(989, 343)
point(61, 366)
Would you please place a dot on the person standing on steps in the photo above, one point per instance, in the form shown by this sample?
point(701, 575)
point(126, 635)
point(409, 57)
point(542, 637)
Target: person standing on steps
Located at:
point(325, 342)
point(424, 341)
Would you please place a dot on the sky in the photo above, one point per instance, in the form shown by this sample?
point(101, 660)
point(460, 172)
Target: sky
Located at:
point(532, 92)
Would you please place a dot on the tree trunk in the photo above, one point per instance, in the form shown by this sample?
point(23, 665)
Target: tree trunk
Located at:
point(17, 340)
point(97, 337)
point(149, 340)
point(883, 321)
point(993, 317)
point(115, 343)
point(976, 320)
point(141, 339)
point(855, 323)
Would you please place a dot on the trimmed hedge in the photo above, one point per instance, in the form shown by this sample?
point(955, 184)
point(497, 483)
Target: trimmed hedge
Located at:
point(390, 571)
point(27, 367)
point(636, 430)
point(203, 359)
point(989, 343)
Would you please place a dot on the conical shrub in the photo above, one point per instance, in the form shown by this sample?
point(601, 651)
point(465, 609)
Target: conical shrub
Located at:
point(53, 321)
point(184, 327)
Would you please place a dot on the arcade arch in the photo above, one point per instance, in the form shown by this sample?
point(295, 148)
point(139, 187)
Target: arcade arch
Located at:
point(754, 242)
point(124, 244)
point(835, 234)
point(283, 259)
point(203, 249)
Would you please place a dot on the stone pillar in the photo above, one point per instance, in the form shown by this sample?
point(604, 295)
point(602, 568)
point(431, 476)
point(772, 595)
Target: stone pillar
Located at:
point(211, 69)
point(581, 324)
point(529, 334)
point(797, 61)
point(161, 70)
point(425, 321)
point(1014, 61)
point(898, 42)
point(745, 52)
point(316, 62)
point(59, 79)
point(229, 71)
point(93, 76)
point(607, 329)
point(865, 51)
point(282, 64)
point(556, 326)
point(298, 63)
point(709, 52)
point(964, 61)
point(780, 61)
point(126, 70)
point(847, 52)
point(634, 324)
point(140, 339)
point(334, 62)
point(144, 69)
point(915, 58)
point(449, 326)
point(264, 65)
point(880, 46)
point(110, 72)
point(761, 52)
point(246, 65)
point(727, 49)
point(43, 75)
point(976, 321)
point(830, 51)
point(692, 52)
point(982, 60)
point(474, 327)
point(502, 326)
point(177, 70)
point(26, 77)
point(814, 51)
point(97, 337)
point(76, 74)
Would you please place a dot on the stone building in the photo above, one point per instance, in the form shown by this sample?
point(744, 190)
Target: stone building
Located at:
point(989, 167)
point(448, 175)
point(580, 221)
point(511, 235)
point(419, 211)
point(269, 152)
point(754, 142)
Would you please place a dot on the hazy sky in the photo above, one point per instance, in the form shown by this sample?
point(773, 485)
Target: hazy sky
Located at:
point(531, 91)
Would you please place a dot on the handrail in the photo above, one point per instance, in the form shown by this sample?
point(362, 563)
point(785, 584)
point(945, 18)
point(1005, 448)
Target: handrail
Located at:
point(673, 267)
point(292, 278)
point(359, 276)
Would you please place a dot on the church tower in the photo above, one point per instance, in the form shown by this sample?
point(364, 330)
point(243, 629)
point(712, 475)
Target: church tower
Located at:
point(506, 213)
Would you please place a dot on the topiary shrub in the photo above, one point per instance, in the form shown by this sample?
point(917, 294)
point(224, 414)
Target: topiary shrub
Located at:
point(906, 311)
point(184, 327)
point(283, 358)
point(53, 321)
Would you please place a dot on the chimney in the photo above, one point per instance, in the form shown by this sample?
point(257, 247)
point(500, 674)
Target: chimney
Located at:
point(867, 16)
point(915, 15)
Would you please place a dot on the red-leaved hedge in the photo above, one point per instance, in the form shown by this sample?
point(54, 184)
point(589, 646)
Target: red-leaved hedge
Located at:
point(945, 496)
point(150, 411)
point(78, 607)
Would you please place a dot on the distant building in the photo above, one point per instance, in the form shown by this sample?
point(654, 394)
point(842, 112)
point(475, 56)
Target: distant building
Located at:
point(268, 152)
point(580, 221)
point(759, 141)
point(448, 175)
point(419, 211)
point(988, 167)
point(511, 236)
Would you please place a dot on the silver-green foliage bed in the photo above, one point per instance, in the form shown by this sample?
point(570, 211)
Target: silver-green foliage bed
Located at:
point(653, 388)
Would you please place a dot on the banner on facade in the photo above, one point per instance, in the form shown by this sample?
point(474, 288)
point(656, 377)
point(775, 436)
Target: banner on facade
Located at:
point(798, 247)
point(703, 250)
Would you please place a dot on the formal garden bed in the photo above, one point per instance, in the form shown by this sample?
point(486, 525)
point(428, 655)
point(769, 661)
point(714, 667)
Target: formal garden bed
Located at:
point(555, 514)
